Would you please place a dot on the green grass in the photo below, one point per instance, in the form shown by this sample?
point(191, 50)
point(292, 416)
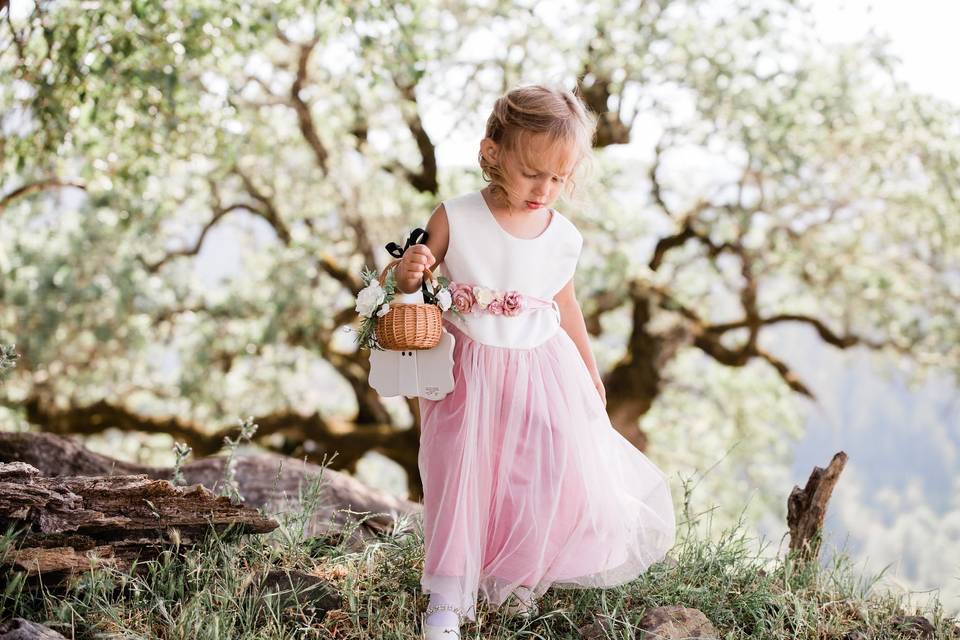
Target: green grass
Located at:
point(207, 592)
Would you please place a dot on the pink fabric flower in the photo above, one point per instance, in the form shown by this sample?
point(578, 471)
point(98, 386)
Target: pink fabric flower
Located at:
point(462, 296)
point(512, 303)
point(496, 306)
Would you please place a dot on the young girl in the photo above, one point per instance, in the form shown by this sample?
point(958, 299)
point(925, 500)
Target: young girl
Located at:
point(526, 483)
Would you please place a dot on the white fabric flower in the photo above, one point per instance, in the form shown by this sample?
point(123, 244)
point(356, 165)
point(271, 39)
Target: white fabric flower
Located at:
point(383, 310)
point(444, 300)
point(483, 296)
point(369, 298)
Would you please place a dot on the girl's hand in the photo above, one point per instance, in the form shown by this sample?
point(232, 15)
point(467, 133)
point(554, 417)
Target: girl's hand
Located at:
point(598, 383)
point(415, 259)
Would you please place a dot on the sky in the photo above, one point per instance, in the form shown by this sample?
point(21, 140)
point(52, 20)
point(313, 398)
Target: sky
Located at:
point(923, 32)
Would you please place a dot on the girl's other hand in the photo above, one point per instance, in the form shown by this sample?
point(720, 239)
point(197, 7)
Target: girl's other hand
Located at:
point(598, 383)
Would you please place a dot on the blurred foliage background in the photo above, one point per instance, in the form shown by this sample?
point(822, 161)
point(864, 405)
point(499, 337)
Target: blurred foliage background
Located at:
point(190, 190)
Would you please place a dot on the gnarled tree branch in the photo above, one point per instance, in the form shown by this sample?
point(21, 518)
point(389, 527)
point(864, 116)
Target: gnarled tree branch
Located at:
point(596, 89)
point(424, 180)
point(218, 214)
point(269, 211)
point(313, 436)
point(304, 117)
point(33, 187)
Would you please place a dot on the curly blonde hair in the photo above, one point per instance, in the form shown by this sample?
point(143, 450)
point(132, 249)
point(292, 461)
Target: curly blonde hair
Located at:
point(545, 128)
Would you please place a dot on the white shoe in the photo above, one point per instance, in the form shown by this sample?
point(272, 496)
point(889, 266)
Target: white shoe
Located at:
point(520, 608)
point(440, 631)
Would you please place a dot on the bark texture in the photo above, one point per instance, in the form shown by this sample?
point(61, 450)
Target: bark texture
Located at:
point(69, 523)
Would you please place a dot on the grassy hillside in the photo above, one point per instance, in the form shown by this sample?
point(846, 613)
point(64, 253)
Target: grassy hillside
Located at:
point(220, 590)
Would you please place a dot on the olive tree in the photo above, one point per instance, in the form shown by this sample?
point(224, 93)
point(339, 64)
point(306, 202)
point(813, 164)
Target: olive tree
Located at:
point(780, 181)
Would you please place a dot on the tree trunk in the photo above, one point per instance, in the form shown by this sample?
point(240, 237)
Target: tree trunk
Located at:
point(634, 382)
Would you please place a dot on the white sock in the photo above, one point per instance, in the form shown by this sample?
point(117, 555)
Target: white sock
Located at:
point(445, 595)
point(524, 594)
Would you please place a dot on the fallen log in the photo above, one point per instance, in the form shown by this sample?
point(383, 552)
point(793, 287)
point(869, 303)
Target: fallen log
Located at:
point(807, 507)
point(66, 524)
point(344, 505)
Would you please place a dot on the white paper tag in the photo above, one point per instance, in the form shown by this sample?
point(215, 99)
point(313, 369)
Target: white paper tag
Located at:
point(427, 373)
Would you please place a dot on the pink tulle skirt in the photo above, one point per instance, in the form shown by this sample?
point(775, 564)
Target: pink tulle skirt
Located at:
point(526, 483)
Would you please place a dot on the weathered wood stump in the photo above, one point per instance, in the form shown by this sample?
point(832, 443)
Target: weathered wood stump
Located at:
point(20, 629)
point(270, 481)
point(67, 524)
point(807, 507)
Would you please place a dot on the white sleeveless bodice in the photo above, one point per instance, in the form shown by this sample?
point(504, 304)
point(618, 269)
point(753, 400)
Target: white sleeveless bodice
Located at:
point(483, 253)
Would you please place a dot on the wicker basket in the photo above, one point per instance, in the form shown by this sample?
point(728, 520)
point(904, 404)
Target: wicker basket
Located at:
point(408, 326)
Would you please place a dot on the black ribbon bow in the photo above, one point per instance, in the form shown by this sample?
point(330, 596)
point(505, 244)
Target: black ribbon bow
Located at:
point(417, 236)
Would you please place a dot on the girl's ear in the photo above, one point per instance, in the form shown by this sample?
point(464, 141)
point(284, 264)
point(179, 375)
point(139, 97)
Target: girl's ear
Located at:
point(489, 149)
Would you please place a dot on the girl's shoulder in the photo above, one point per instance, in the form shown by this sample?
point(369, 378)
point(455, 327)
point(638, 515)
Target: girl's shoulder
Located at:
point(463, 202)
point(568, 228)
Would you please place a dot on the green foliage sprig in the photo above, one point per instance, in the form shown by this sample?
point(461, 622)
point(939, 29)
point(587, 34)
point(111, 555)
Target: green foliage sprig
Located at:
point(366, 336)
point(8, 358)
point(230, 487)
point(181, 450)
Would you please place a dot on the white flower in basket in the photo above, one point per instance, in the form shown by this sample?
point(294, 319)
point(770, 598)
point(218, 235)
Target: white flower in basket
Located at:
point(444, 299)
point(369, 298)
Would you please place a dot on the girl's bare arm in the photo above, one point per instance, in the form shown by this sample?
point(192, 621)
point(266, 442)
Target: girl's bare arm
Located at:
point(571, 319)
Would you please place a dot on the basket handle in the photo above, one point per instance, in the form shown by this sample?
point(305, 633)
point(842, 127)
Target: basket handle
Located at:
point(394, 263)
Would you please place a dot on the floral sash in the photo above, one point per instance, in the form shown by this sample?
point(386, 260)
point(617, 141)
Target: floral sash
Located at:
point(469, 298)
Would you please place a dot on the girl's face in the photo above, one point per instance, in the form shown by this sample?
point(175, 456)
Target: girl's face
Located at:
point(537, 175)
point(533, 187)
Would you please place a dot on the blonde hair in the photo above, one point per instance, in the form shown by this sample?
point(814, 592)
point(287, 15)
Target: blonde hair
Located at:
point(540, 110)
